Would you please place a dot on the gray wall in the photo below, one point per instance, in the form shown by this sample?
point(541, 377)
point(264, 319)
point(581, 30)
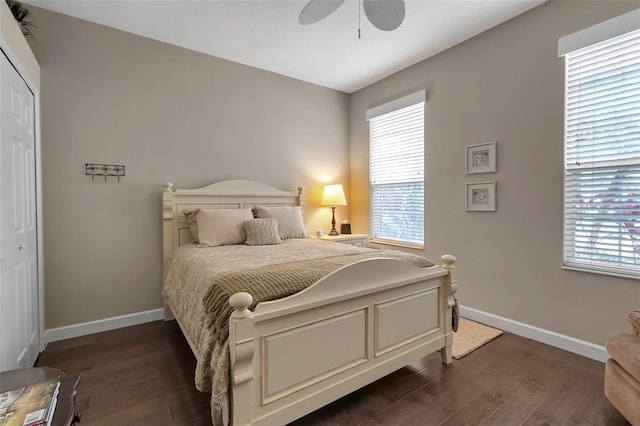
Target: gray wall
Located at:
point(173, 114)
point(167, 114)
point(505, 85)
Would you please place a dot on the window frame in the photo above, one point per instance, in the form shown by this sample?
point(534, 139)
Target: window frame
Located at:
point(613, 170)
point(378, 113)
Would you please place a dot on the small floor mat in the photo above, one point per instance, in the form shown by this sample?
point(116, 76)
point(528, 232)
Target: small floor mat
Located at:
point(470, 336)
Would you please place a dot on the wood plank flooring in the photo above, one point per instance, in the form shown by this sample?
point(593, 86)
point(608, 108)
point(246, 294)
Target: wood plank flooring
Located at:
point(143, 375)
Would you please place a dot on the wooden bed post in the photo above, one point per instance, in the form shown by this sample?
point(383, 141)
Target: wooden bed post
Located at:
point(241, 347)
point(167, 234)
point(167, 221)
point(451, 286)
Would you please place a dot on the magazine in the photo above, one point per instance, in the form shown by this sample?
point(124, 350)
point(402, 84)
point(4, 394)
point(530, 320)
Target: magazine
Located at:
point(31, 405)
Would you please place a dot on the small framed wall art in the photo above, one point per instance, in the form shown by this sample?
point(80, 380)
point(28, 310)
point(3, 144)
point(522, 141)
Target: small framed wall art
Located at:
point(481, 197)
point(481, 158)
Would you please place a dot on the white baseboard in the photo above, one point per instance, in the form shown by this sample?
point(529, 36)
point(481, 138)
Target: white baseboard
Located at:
point(77, 330)
point(580, 347)
point(561, 341)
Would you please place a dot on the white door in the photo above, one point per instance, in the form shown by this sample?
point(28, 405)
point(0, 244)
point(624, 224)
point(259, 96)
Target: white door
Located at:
point(19, 332)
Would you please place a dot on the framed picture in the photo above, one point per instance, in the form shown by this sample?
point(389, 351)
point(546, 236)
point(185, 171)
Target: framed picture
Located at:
point(481, 197)
point(345, 228)
point(481, 158)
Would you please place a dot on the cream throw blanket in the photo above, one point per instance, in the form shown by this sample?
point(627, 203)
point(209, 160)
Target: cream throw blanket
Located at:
point(273, 282)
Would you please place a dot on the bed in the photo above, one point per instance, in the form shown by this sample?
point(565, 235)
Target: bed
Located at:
point(373, 313)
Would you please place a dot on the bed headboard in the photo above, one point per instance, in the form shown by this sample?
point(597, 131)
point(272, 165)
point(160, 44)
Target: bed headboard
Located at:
point(228, 194)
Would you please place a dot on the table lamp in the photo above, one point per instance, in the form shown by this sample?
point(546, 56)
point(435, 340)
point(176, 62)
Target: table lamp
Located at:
point(333, 195)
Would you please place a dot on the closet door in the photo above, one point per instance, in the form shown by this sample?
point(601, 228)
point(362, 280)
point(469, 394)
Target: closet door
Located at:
point(18, 240)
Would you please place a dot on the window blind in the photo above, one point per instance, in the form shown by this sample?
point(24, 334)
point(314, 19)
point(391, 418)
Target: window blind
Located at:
point(602, 156)
point(396, 172)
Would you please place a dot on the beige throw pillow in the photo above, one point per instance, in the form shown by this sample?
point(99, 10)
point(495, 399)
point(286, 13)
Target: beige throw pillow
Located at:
point(220, 227)
point(290, 223)
point(192, 221)
point(262, 232)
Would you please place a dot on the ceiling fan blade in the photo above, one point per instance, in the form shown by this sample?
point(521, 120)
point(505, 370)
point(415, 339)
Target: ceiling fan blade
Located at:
point(317, 10)
point(386, 15)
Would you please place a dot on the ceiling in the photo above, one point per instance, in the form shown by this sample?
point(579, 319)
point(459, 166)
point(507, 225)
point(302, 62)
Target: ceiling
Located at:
point(266, 34)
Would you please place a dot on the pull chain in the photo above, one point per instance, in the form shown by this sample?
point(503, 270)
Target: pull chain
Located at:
point(359, 10)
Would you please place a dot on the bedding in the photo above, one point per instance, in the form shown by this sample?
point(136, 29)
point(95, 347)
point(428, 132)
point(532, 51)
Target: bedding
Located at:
point(221, 227)
point(199, 282)
point(192, 222)
point(262, 232)
point(290, 223)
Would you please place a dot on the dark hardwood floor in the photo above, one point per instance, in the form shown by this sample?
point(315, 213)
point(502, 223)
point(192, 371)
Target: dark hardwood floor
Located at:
point(143, 375)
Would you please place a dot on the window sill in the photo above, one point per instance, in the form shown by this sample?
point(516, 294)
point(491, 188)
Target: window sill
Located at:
point(600, 272)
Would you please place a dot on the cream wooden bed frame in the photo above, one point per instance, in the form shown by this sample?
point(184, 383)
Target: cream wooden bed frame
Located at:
point(375, 316)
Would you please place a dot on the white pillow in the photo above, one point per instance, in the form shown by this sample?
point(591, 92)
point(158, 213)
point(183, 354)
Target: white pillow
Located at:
point(290, 224)
point(221, 227)
point(262, 232)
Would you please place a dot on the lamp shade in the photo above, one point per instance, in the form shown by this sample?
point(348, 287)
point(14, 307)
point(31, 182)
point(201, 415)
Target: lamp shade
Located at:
point(333, 195)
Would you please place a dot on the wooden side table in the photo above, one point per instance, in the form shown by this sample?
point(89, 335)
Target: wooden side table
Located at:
point(65, 413)
point(353, 239)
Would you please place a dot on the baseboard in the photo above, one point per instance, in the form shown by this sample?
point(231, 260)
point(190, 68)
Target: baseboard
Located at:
point(580, 347)
point(561, 341)
point(77, 330)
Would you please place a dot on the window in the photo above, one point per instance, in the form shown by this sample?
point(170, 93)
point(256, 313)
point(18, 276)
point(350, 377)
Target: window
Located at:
point(396, 171)
point(602, 155)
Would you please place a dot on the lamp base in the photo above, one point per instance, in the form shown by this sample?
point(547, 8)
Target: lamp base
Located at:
point(333, 232)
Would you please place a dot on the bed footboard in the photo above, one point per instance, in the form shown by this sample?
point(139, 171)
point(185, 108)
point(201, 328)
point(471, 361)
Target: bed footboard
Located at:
point(358, 324)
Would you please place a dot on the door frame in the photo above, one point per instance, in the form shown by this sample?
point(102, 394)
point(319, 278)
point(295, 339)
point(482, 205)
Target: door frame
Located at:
point(17, 50)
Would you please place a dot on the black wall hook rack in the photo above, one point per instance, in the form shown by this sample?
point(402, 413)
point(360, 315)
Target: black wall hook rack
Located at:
point(104, 170)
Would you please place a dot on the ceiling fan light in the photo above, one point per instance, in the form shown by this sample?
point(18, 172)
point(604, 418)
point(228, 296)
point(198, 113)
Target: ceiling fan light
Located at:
point(317, 10)
point(386, 15)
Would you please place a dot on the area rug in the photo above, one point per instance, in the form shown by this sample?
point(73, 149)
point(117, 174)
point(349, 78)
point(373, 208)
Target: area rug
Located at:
point(470, 336)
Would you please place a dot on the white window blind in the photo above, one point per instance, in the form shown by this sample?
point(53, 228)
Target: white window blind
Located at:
point(602, 156)
point(396, 172)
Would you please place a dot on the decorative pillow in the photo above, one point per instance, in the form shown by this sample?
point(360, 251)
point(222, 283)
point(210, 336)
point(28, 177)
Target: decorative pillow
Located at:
point(192, 222)
point(221, 227)
point(262, 232)
point(290, 224)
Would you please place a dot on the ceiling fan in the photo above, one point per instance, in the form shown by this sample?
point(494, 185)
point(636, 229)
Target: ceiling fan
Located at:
point(386, 15)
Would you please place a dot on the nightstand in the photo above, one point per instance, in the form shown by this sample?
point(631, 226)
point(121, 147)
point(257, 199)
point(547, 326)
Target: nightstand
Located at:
point(353, 239)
